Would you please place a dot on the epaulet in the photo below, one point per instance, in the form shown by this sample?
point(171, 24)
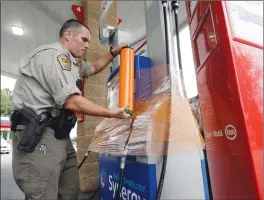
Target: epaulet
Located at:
point(64, 62)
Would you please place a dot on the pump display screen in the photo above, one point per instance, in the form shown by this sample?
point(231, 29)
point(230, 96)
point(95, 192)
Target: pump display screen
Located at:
point(246, 20)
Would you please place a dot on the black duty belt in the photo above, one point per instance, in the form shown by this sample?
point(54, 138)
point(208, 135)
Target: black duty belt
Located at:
point(24, 121)
point(62, 125)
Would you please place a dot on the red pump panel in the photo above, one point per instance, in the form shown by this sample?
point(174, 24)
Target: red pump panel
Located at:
point(227, 39)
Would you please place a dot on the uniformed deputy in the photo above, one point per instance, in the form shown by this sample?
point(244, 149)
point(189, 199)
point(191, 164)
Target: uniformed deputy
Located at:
point(48, 90)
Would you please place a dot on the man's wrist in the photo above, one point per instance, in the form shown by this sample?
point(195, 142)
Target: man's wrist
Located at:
point(115, 52)
point(108, 113)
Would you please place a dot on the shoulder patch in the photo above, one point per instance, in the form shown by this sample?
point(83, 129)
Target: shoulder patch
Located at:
point(64, 62)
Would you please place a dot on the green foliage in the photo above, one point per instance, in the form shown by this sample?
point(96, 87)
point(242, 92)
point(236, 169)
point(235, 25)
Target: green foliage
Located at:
point(6, 102)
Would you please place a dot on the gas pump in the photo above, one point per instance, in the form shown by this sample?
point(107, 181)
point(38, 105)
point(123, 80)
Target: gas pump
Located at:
point(164, 156)
point(227, 40)
point(157, 163)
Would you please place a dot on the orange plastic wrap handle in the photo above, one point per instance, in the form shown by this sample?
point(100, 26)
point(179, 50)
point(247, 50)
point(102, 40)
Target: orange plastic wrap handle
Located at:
point(126, 79)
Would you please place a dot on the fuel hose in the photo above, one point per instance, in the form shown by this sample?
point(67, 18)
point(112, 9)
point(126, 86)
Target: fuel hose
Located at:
point(165, 158)
point(123, 163)
point(175, 8)
point(126, 97)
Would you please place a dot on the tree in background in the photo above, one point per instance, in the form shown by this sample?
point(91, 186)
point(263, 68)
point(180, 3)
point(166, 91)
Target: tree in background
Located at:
point(6, 102)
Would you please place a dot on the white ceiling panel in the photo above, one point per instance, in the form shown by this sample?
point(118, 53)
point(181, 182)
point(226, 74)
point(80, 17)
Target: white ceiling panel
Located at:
point(133, 15)
point(41, 21)
point(59, 10)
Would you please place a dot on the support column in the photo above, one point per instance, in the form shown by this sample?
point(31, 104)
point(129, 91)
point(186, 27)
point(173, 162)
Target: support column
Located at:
point(95, 90)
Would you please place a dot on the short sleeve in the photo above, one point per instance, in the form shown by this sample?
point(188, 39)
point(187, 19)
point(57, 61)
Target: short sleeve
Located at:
point(85, 69)
point(54, 73)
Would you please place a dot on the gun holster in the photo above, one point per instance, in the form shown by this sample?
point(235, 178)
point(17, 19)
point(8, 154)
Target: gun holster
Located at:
point(63, 124)
point(15, 119)
point(34, 128)
point(35, 125)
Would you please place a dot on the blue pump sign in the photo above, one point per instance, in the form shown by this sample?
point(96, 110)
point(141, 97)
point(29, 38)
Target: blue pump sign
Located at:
point(139, 182)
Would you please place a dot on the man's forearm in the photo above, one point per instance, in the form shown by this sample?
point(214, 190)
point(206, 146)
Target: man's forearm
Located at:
point(102, 62)
point(78, 103)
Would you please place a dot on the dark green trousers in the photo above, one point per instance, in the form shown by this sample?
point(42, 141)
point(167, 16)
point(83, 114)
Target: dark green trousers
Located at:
point(49, 174)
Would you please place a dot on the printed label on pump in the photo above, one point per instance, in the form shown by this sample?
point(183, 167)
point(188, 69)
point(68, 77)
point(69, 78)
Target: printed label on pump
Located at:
point(139, 181)
point(141, 48)
point(143, 51)
point(246, 20)
point(230, 132)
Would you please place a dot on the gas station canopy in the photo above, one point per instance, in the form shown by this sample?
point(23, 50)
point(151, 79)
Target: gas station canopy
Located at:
point(44, 27)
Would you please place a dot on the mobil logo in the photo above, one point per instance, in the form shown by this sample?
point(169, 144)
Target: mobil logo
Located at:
point(230, 132)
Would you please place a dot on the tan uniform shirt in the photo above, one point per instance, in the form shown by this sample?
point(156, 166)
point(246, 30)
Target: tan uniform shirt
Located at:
point(47, 76)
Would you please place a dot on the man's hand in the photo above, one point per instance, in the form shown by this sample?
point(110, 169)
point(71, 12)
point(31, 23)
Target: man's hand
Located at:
point(100, 63)
point(120, 113)
point(117, 50)
point(78, 103)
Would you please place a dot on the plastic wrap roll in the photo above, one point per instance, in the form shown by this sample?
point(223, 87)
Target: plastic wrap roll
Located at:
point(155, 118)
point(126, 79)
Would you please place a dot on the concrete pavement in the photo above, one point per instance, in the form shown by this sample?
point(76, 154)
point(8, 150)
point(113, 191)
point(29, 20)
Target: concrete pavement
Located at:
point(9, 189)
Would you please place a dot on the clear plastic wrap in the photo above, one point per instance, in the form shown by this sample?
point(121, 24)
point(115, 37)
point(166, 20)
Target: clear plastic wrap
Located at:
point(161, 124)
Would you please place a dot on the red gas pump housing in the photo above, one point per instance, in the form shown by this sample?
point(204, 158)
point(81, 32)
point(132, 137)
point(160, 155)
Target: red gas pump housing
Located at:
point(227, 41)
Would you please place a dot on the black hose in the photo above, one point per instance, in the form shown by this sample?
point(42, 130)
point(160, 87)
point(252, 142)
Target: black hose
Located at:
point(166, 36)
point(80, 165)
point(165, 158)
point(83, 160)
point(162, 177)
point(120, 182)
point(93, 195)
point(175, 7)
point(123, 163)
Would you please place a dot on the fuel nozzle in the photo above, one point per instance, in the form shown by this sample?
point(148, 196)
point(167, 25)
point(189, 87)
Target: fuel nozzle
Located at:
point(175, 5)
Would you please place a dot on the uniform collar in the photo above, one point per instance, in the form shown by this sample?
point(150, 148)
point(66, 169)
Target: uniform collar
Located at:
point(61, 47)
